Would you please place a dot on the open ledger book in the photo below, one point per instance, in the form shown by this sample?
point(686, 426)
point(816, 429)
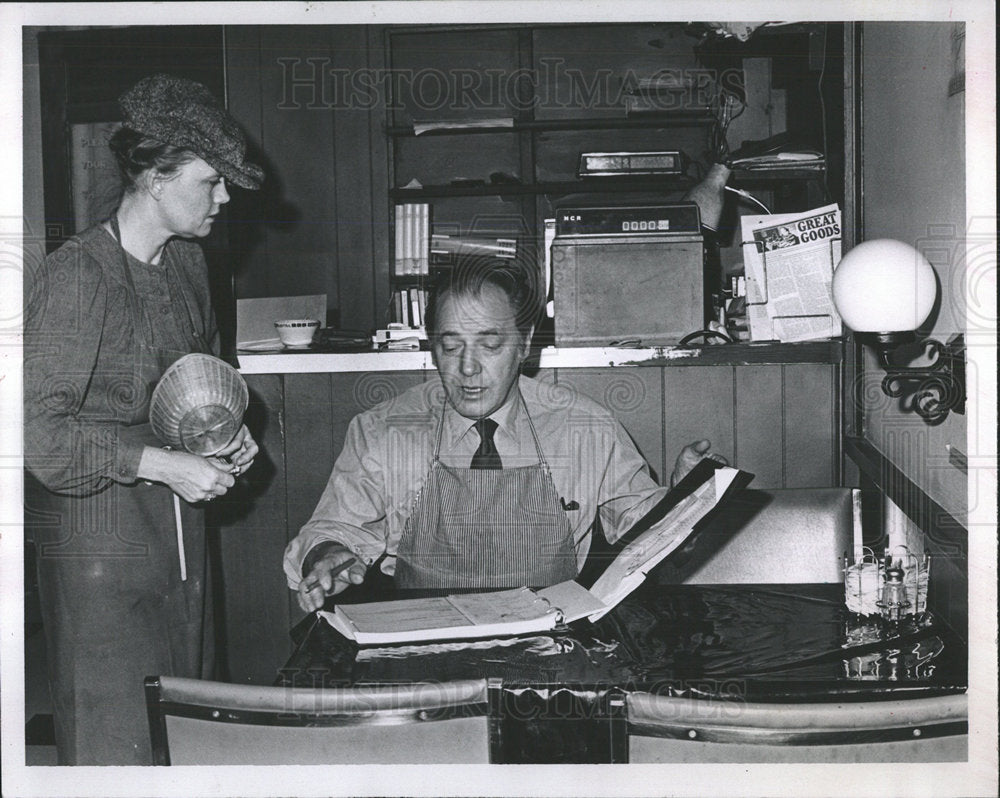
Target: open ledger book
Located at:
point(523, 610)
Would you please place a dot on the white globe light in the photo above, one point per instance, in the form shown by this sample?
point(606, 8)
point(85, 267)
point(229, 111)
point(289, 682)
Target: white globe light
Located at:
point(884, 286)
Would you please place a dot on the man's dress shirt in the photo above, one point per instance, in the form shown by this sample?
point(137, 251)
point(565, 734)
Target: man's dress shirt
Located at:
point(389, 449)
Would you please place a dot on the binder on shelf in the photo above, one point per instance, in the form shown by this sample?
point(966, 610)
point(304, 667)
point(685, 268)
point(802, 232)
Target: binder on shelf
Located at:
point(424, 239)
point(404, 303)
point(397, 306)
point(400, 240)
point(412, 239)
point(416, 316)
point(411, 244)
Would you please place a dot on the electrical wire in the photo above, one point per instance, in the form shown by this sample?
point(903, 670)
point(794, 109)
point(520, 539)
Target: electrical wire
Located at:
point(749, 196)
point(722, 106)
point(706, 334)
point(822, 113)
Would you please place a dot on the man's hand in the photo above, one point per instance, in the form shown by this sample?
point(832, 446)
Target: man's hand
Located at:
point(322, 579)
point(690, 456)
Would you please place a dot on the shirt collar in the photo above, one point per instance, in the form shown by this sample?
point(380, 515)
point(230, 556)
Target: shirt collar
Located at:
point(506, 416)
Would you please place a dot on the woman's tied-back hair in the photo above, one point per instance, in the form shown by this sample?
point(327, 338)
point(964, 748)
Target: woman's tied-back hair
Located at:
point(135, 153)
point(471, 275)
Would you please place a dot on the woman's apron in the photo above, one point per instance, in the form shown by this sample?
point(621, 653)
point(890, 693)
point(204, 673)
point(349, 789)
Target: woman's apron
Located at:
point(113, 604)
point(486, 528)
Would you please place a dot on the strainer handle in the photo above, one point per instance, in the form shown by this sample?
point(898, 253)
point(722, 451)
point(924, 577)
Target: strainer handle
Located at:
point(180, 537)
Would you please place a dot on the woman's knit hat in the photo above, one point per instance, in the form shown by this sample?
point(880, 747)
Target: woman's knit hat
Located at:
point(185, 114)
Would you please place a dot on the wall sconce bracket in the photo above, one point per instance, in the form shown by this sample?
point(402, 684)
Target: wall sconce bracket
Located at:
point(937, 388)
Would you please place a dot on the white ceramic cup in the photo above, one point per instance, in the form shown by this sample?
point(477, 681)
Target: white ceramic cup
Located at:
point(296, 332)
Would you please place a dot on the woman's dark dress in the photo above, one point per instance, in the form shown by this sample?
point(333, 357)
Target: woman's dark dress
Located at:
point(113, 605)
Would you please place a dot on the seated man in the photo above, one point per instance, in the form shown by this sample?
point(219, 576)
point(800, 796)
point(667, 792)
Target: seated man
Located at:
point(494, 481)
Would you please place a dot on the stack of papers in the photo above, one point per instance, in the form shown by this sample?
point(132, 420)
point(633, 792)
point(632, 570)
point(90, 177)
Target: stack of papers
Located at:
point(505, 612)
point(522, 610)
point(788, 159)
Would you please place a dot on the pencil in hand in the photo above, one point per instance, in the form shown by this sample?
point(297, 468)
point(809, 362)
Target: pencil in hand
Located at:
point(333, 574)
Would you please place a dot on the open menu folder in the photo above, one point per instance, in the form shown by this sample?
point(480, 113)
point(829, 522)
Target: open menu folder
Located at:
point(523, 610)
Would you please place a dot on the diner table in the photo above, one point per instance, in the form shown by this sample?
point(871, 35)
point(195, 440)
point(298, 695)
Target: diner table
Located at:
point(742, 643)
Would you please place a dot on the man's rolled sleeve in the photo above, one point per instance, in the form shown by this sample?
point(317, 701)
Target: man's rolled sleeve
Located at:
point(628, 491)
point(351, 510)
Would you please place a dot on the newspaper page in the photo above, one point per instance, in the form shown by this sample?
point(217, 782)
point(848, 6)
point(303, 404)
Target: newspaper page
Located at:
point(789, 261)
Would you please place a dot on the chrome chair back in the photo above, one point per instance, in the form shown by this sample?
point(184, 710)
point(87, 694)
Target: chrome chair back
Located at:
point(196, 722)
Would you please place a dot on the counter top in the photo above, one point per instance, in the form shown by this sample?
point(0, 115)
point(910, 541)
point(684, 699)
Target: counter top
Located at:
point(316, 361)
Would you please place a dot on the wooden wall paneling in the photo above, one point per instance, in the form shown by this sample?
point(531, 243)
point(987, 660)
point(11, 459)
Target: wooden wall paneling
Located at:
point(350, 276)
point(354, 392)
point(311, 443)
point(529, 245)
point(58, 225)
point(297, 136)
point(319, 408)
point(698, 402)
point(810, 425)
point(948, 589)
point(758, 422)
point(246, 212)
point(381, 171)
point(635, 397)
point(252, 542)
point(909, 115)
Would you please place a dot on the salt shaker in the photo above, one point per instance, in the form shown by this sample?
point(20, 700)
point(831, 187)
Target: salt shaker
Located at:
point(893, 594)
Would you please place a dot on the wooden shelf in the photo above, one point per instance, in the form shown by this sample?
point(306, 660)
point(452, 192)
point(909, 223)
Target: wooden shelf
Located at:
point(769, 177)
point(825, 351)
point(653, 120)
point(417, 279)
point(603, 185)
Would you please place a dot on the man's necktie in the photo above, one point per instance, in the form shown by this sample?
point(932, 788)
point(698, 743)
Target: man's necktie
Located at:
point(486, 455)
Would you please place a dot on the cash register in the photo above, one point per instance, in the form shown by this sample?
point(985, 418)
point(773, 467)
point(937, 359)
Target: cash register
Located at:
point(628, 272)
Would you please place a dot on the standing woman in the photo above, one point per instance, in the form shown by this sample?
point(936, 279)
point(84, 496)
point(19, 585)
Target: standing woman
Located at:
point(105, 315)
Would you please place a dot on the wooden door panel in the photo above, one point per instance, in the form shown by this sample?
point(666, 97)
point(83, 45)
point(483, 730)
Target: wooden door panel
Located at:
point(698, 402)
point(810, 424)
point(760, 425)
point(635, 397)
